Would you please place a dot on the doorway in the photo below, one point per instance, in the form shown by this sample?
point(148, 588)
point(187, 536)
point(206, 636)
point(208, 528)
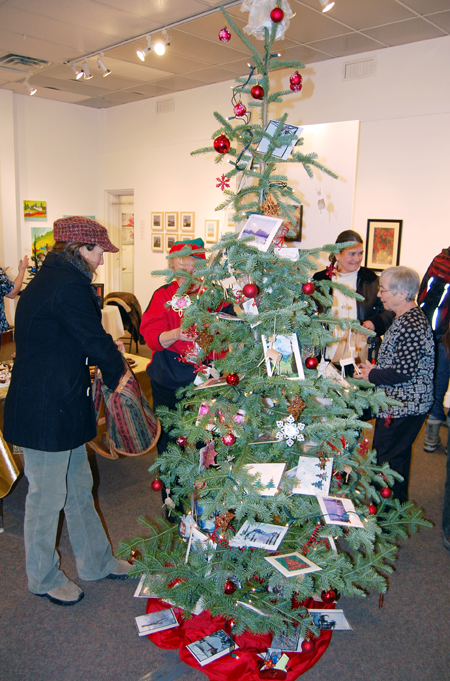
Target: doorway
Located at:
point(119, 273)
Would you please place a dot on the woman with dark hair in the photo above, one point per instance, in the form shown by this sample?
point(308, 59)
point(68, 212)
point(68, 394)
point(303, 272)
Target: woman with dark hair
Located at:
point(404, 368)
point(346, 269)
point(49, 410)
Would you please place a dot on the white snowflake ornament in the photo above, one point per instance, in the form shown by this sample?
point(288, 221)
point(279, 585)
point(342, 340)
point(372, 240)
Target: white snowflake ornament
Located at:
point(290, 431)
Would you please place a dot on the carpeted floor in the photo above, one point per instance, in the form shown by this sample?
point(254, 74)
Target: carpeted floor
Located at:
point(96, 640)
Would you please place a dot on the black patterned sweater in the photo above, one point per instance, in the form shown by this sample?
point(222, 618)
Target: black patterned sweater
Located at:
point(405, 364)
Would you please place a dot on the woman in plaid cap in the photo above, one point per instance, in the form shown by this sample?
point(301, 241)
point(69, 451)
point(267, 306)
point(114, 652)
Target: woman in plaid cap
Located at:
point(49, 410)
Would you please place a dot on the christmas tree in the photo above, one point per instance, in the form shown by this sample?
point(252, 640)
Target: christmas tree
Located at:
point(256, 446)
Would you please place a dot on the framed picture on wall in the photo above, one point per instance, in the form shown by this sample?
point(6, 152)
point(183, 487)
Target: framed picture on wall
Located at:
point(297, 228)
point(383, 243)
point(211, 231)
point(157, 242)
point(157, 222)
point(187, 221)
point(171, 222)
point(170, 240)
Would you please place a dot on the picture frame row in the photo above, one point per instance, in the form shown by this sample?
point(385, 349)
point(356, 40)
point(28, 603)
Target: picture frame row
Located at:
point(172, 221)
point(164, 241)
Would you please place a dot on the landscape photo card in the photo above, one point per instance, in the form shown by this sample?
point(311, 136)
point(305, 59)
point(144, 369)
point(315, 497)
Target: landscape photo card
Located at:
point(311, 476)
point(156, 621)
point(287, 643)
point(212, 647)
point(263, 228)
point(269, 477)
point(292, 564)
point(330, 619)
point(259, 535)
point(339, 511)
point(282, 355)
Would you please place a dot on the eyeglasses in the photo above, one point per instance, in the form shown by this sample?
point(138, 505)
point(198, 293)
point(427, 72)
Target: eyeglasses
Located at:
point(384, 290)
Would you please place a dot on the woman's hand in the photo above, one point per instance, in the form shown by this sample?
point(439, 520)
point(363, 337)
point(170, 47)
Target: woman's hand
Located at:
point(168, 338)
point(365, 369)
point(23, 264)
point(120, 346)
point(369, 325)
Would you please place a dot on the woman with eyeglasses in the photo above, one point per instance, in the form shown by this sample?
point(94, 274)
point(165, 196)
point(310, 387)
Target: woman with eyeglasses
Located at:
point(346, 269)
point(404, 369)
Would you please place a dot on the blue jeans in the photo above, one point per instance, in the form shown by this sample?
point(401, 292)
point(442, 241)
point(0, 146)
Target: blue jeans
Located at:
point(441, 378)
point(62, 480)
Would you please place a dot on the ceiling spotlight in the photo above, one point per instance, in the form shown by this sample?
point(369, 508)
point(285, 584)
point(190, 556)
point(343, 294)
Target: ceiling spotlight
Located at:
point(326, 5)
point(87, 74)
point(160, 46)
point(78, 73)
point(29, 87)
point(143, 53)
point(102, 66)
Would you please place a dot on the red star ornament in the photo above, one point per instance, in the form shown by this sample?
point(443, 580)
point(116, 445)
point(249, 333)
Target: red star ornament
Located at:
point(223, 182)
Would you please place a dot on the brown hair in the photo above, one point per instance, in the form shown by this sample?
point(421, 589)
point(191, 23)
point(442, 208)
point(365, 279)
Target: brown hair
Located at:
point(73, 249)
point(346, 236)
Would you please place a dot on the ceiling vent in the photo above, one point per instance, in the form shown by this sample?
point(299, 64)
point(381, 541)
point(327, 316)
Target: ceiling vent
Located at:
point(21, 64)
point(363, 68)
point(165, 105)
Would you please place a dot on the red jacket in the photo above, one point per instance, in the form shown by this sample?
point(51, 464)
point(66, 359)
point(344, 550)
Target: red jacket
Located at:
point(165, 367)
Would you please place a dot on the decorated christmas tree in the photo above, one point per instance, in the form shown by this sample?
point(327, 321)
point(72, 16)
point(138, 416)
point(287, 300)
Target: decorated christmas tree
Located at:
point(282, 497)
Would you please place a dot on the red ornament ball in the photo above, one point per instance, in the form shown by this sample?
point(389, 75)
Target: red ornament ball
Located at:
point(257, 92)
point(308, 288)
point(224, 35)
point(157, 485)
point(229, 587)
point(229, 439)
point(295, 82)
point(372, 509)
point(311, 362)
point(250, 290)
point(240, 110)
point(277, 15)
point(232, 379)
point(308, 646)
point(385, 493)
point(182, 441)
point(133, 555)
point(222, 144)
point(329, 596)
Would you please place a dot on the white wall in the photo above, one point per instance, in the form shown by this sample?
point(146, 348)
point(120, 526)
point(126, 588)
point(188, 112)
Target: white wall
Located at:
point(390, 151)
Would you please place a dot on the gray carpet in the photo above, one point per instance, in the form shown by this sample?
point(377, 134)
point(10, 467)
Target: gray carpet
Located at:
point(96, 640)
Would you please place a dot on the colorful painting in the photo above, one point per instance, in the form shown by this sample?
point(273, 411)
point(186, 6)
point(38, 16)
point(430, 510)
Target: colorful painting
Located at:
point(383, 243)
point(42, 240)
point(35, 210)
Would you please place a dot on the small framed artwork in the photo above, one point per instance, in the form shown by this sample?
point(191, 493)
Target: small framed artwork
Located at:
point(383, 243)
point(292, 564)
point(157, 242)
point(263, 228)
point(283, 357)
point(171, 222)
point(211, 231)
point(187, 222)
point(297, 228)
point(259, 535)
point(339, 511)
point(170, 240)
point(35, 210)
point(330, 619)
point(100, 291)
point(157, 222)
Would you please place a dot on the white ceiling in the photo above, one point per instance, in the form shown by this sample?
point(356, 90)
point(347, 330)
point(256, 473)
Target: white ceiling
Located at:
point(60, 31)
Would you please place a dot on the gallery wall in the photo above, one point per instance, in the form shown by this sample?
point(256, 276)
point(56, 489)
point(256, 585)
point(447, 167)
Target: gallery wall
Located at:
point(386, 137)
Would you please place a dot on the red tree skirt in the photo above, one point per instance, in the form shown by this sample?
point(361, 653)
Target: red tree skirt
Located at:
point(245, 665)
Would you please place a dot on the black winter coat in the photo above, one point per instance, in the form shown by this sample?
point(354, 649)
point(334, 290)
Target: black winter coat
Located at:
point(58, 332)
point(371, 308)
